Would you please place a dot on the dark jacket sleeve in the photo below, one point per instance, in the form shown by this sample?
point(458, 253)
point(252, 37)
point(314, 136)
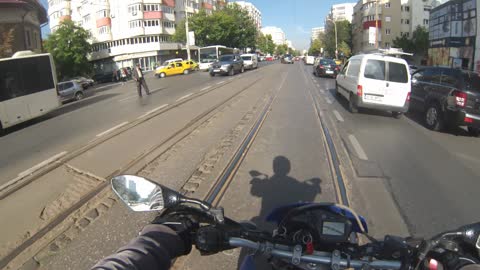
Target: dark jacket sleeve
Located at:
point(154, 248)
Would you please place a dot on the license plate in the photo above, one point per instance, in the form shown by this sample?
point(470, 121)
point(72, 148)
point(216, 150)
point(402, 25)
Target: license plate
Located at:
point(329, 72)
point(216, 70)
point(374, 98)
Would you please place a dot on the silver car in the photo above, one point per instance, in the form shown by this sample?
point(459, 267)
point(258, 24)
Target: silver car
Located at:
point(70, 90)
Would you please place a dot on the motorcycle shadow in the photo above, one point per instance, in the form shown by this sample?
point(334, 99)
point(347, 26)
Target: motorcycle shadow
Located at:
point(277, 190)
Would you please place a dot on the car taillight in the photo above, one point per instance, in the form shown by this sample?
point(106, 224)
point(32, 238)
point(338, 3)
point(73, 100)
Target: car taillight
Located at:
point(408, 96)
point(320, 66)
point(468, 120)
point(359, 90)
point(460, 98)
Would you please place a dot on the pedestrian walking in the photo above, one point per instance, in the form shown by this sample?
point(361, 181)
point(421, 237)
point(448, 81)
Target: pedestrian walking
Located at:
point(140, 79)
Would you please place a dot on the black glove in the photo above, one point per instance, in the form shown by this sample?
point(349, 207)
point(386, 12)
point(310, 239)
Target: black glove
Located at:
point(184, 226)
point(211, 240)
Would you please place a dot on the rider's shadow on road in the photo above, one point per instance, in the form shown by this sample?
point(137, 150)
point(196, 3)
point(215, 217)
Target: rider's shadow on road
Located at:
point(275, 191)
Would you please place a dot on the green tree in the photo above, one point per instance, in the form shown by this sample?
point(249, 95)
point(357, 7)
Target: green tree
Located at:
point(265, 43)
point(230, 26)
point(316, 47)
point(420, 39)
point(344, 34)
point(6, 40)
point(344, 50)
point(69, 48)
point(404, 43)
point(281, 49)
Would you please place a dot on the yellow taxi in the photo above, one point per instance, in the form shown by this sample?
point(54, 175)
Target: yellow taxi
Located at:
point(173, 69)
point(192, 64)
point(338, 62)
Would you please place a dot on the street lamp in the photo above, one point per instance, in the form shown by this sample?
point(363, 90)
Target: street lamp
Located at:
point(186, 30)
point(336, 39)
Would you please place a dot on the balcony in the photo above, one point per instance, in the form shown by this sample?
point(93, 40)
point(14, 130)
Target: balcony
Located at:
point(206, 5)
point(104, 22)
point(66, 17)
point(153, 15)
point(169, 3)
point(369, 24)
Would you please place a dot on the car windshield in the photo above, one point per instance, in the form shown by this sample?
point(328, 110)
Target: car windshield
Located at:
point(327, 62)
point(226, 58)
point(246, 57)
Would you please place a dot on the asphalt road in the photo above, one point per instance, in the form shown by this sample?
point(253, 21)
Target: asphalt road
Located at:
point(76, 123)
point(433, 176)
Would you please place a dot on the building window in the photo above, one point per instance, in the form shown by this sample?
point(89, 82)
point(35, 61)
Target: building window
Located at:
point(168, 24)
point(387, 5)
point(387, 31)
point(388, 18)
point(103, 13)
point(151, 7)
point(168, 10)
point(407, 34)
point(86, 19)
point(407, 21)
point(27, 35)
point(425, 21)
point(427, 8)
point(135, 24)
point(134, 9)
point(103, 30)
point(387, 44)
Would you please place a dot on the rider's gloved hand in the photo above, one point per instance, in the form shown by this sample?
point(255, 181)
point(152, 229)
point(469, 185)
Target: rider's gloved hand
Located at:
point(184, 227)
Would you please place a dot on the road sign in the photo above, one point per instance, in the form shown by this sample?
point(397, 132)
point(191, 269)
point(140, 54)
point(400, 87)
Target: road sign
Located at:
point(191, 38)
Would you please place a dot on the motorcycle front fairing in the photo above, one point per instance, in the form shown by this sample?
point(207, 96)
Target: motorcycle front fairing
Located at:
point(278, 214)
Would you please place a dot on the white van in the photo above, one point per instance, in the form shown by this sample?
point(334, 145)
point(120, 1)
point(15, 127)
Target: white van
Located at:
point(309, 60)
point(375, 81)
point(250, 60)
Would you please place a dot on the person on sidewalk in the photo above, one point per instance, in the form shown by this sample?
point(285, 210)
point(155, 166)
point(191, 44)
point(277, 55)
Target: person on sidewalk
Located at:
point(140, 79)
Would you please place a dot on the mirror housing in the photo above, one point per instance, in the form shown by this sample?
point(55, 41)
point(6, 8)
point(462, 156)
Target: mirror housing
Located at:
point(141, 194)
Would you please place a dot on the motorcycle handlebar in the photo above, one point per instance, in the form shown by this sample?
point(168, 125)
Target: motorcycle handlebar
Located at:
point(340, 263)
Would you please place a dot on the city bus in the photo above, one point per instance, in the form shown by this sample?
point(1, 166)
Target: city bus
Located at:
point(207, 55)
point(28, 87)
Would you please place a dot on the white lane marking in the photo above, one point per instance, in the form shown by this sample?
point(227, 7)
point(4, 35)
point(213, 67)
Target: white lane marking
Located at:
point(112, 129)
point(41, 164)
point(329, 101)
point(338, 116)
point(152, 111)
point(184, 97)
point(318, 85)
point(358, 148)
point(127, 98)
point(205, 88)
point(105, 86)
point(220, 82)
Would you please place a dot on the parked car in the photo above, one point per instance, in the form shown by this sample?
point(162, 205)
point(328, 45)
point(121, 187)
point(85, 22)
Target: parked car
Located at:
point(325, 67)
point(70, 90)
point(173, 68)
point(447, 97)
point(227, 64)
point(250, 60)
point(377, 82)
point(84, 82)
point(261, 58)
point(269, 58)
point(287, 59)
point(192, 65)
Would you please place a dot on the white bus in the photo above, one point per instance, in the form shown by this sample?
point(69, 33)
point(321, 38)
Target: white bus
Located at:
point(208, 55)
point(28, 87)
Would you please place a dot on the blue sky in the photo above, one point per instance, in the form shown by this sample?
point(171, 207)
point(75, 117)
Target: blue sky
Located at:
point(295, 17)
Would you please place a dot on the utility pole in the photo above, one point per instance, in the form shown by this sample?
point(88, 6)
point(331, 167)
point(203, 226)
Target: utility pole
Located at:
point(376, 24)
point(336, 37)
point(186, 30)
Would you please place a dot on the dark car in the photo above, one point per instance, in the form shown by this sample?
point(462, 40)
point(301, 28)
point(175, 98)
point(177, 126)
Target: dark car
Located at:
point(326, 67)
point(447, 97)
point(287, 59)
point(227, 64)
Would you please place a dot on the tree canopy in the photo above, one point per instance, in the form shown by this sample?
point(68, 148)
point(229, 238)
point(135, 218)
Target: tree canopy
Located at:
point(6, 40)
point(316, 46)
point(417, 44)
point(281, 49)
point(344, 34)
point(69, 48)
point(265, 43)
point(230, 26)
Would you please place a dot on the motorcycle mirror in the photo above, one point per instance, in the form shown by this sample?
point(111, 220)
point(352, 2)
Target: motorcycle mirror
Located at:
point(141, 194)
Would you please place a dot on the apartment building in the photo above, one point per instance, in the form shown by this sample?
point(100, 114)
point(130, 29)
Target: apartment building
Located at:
point(316, 31)
point(340, 12)
point(128, 32)
point(452, 35)
point(393, 18)
point(278, 36)
point(23, 19)
point(253, 11)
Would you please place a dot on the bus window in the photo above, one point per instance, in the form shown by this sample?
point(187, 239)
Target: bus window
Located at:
point(35, 78)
